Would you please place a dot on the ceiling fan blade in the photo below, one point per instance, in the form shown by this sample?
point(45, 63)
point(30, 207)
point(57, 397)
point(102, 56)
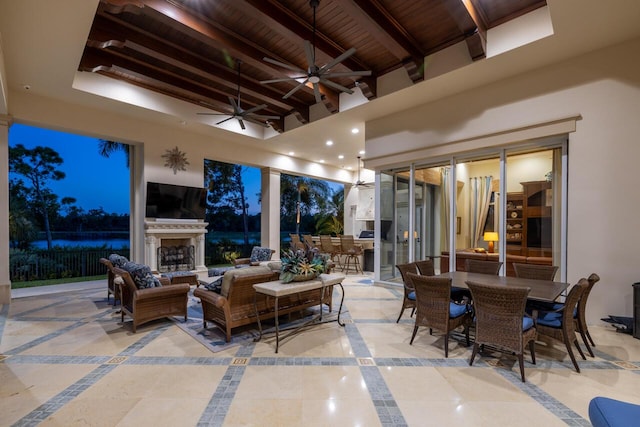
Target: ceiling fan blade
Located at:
point(295, 89)
point(308, 51)
point(336, 86)
point(257, 122)
point(283, 65)
point(348, 74)
point(236, 107)
point(338, 60)
point(256, 108)
point(316, 92)
point(241, 123)
point(225, 120)
point(286, 79)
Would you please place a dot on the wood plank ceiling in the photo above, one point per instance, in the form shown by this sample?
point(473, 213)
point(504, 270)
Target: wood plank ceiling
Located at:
point(187, 49)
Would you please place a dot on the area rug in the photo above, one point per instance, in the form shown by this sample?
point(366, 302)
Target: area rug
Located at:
point(214, 338)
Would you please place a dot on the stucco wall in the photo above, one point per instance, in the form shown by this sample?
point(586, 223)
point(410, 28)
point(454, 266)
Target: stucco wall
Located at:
point(603, 88)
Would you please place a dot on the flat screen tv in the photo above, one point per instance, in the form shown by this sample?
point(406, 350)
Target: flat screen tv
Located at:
point(175, 201)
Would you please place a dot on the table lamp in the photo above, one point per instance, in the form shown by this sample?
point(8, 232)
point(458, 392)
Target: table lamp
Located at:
point(490, 236)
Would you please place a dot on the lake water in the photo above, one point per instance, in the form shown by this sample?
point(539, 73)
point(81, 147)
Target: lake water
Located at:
point(112, 243)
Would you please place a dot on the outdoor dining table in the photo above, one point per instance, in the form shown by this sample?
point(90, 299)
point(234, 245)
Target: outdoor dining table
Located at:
point(541, 290)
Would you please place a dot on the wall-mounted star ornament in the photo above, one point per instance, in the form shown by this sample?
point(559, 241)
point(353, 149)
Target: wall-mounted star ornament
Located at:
point(176, 160)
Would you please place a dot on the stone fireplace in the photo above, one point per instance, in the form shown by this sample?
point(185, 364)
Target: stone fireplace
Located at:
point(178, 243)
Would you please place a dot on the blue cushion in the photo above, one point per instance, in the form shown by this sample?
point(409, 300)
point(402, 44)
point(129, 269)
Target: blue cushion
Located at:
point(412, 295)
point(527, 323)
point(118, 260)
point(551, 319)
point(141, 275)
point(457, 310)
point(604, 412)
point(219, 271)
point(259, 254)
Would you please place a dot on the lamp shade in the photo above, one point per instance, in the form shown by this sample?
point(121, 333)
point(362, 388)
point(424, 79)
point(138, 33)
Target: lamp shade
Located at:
point(490, 236)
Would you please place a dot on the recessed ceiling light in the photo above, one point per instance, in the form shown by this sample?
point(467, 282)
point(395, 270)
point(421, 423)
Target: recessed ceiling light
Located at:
point(291, 153)
point(349, 167)
point(322, 161)
point(355, 130)
point(361, 152)
point(329, 142)
point(341, 157)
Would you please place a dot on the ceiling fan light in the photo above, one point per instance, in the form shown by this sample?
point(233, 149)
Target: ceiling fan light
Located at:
point(314, 79)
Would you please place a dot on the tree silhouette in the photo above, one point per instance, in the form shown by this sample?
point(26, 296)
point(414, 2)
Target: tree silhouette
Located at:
point(39, 167)
point(301, 196)
point(226, 191)
point(107, 147)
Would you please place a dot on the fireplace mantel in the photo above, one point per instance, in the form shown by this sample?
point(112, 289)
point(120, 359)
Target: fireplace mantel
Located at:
point(168, 230)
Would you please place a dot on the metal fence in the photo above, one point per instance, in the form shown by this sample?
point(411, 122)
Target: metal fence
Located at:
point(58, 264)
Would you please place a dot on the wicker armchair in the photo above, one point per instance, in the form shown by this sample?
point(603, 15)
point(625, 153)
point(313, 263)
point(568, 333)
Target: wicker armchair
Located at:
point(425, 267)
point(352, 253)
point(560, 323)
point(501, 321)
point(435, 309)
point(113, 281)
point(258, 255)
point(307, 239)
point(409, 300)
point(145, 305)
point(534, 271)
point(296, 243)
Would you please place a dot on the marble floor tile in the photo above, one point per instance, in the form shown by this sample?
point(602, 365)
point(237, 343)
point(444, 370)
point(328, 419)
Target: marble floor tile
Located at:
point(67, 360)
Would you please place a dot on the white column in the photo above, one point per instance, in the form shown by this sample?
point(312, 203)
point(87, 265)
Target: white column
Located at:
point(5, 282)
point(270, 216)
point(199, 246)
point(151, 252)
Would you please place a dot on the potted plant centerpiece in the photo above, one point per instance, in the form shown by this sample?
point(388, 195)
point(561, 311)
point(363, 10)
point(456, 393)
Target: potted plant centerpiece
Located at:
point(298, 265)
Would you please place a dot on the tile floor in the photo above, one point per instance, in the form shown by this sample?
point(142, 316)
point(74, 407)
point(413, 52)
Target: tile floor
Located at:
point(65, 360)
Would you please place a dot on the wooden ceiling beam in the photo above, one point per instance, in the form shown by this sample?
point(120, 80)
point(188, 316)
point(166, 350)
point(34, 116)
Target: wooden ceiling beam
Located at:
point(381, 25)
point(291, 26)
point(477, 39)
point(160, 49)
point(214, 34)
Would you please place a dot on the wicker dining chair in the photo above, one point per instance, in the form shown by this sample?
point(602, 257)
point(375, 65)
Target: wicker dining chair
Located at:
point(307, 239)
point(560, 324)
point(580, 316)
point(409, 299)
point(501, 321)
point(425, 267)
point(435, 309)
point(533, 271)
point(483, 267)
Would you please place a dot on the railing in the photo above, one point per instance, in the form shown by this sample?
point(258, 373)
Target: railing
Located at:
point(58, 263)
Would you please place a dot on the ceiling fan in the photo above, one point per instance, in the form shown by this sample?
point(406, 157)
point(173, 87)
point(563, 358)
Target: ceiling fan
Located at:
point(242, 115)
point(315, 74)
point(360, 182)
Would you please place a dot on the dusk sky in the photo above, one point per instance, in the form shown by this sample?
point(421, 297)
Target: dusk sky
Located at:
point(96, 181)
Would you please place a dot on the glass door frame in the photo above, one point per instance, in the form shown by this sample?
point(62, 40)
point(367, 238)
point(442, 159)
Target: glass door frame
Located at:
point(452, 161)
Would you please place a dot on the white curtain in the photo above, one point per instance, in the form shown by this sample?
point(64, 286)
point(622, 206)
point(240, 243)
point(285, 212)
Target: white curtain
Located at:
point(445, 203)
point(480, 196)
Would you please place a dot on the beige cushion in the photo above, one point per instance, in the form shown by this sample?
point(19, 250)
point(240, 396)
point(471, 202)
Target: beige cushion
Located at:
point(230, 275)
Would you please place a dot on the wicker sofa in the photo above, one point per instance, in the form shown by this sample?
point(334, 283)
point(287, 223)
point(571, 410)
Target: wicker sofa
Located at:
point(234, 305)
point(463, 255)
point(147, 304)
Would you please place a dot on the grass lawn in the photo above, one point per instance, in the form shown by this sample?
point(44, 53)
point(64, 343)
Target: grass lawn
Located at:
point(34, 283)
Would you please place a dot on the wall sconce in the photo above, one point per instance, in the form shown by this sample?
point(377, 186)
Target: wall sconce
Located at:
point(406, 235)
point(490, 236)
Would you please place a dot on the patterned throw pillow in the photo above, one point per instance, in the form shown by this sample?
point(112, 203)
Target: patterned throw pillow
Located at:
point(215, 286)
point(118, 260)
point(141, 275)
point(259, 254)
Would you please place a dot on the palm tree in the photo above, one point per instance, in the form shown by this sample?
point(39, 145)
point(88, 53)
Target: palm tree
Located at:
point(106, 148)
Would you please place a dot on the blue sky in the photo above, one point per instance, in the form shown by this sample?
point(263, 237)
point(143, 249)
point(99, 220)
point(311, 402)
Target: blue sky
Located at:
point(96, 181)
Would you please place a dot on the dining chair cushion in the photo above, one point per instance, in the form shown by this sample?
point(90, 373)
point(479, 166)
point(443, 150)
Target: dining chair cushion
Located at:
point(527, 323)
point(412, 295)
point(605, 412)
point(551, 319)
point(456, 310)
